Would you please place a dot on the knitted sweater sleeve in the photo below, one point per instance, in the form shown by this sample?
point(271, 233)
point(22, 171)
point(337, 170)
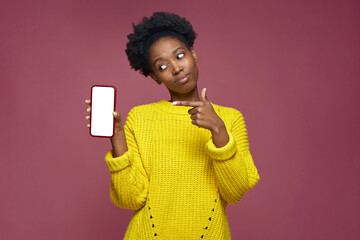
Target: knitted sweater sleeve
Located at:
point(129, 181)
point(234, 167)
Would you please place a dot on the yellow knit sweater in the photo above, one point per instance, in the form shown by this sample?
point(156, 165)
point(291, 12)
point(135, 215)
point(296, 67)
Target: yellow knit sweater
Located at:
point(174, 177)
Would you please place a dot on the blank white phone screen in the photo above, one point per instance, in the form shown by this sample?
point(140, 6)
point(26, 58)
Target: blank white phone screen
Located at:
point(102, 107)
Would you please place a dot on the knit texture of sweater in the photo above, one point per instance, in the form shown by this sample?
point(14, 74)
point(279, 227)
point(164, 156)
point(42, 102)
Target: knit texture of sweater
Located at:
point(173, 176)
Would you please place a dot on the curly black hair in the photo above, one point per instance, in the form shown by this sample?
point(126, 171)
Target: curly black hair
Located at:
point(147, 32)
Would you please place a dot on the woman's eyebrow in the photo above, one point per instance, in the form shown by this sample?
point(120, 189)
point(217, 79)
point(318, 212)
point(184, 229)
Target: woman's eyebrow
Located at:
point(172, 52)
point(177, 49)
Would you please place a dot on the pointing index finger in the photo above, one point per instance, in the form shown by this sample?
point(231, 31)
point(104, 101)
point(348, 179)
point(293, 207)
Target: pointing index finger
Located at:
point(187, 103)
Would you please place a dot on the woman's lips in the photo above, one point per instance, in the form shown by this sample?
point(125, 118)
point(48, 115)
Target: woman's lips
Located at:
point(183, 79)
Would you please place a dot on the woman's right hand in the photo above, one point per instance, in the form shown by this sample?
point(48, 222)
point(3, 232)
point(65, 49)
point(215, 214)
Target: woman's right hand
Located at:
point(118, 141)
point(118, 123)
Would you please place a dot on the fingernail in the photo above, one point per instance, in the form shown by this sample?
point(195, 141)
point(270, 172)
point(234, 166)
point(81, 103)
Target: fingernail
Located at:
point(114, 113)
point(175, 103)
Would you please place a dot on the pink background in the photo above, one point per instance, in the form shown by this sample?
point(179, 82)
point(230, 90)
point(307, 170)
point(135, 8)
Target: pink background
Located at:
point(291, 67)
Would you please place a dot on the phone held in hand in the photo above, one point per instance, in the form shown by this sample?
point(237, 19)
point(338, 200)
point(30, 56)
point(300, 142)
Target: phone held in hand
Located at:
point(103, 101)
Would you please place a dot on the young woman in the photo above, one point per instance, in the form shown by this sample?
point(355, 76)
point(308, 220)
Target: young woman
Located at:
point(177, 163)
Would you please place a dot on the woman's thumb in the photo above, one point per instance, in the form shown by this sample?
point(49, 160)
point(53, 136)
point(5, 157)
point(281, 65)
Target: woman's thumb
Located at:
point(116, 116)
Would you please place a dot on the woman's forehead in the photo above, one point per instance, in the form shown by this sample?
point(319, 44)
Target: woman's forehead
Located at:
point(165, 46)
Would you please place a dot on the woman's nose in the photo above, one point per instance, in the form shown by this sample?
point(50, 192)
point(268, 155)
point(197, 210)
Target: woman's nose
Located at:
point(176, 68)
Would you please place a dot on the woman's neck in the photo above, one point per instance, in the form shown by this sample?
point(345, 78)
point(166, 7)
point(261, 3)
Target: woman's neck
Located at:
point(190, 96)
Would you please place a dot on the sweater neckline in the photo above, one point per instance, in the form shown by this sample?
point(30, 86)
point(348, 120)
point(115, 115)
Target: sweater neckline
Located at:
point(168, 107)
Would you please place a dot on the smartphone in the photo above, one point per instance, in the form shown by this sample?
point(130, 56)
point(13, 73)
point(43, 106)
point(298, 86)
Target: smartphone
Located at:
point(103, 101)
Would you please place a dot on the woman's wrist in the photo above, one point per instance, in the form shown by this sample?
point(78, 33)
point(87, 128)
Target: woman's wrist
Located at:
point(219, 135)
point(118, 142)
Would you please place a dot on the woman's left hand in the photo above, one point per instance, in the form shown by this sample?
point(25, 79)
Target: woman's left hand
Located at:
point(203, 115)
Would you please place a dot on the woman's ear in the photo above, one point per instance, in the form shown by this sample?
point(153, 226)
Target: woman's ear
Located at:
point(153, 76)
point(194, 55)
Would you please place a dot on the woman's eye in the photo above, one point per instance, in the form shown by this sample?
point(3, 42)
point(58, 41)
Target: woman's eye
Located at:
point(162, 67)
point(181, 55)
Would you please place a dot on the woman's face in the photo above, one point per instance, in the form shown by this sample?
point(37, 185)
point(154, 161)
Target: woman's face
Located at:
point(174, 65)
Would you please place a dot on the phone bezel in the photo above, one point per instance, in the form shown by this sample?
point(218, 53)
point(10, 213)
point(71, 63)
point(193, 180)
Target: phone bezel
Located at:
point(91, 91)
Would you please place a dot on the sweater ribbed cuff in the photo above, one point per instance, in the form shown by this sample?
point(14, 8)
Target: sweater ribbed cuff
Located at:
point(118, 163)
point(223, 153)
